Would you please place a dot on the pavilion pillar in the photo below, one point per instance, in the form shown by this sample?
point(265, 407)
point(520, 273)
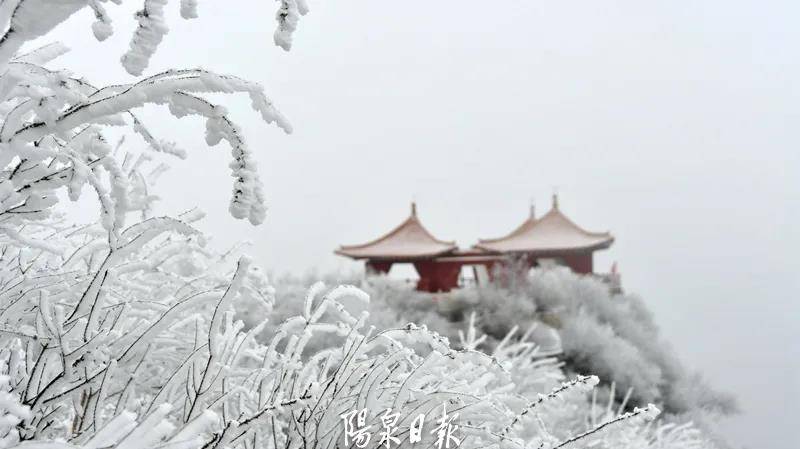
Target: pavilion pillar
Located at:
point(526, 263)
point(378, 267)
point(437, 276)
point(491, 269)
point(581, 263)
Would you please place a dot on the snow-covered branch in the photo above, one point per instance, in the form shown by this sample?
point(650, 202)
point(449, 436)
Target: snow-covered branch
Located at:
point(22, 21)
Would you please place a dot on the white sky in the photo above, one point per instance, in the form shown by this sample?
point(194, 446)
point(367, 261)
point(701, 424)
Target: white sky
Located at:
point(674, 125)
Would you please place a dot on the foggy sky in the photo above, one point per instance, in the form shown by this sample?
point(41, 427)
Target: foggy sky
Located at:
point(675, 126)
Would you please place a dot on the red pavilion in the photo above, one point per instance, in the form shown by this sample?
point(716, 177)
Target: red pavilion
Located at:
point(551, 239)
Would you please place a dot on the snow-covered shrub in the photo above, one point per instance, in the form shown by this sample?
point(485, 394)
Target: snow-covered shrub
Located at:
point(392, 305)
point(498, 310)
point(587, 343)
point(611, 335)
point(615, 337)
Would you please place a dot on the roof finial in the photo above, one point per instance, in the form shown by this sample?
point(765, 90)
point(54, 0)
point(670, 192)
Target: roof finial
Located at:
point(533, 209)
point(555, 200)
point(413, 208)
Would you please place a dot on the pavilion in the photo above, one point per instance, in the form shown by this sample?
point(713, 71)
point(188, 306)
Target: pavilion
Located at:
point(551, 239)
point(410, 242)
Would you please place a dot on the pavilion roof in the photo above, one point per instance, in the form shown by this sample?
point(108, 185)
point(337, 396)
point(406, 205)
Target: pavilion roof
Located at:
point(552, 233)
point(408, 241)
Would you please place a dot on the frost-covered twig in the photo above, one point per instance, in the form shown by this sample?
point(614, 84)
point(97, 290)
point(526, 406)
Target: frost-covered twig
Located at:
point(581, 382)
point(648, 413)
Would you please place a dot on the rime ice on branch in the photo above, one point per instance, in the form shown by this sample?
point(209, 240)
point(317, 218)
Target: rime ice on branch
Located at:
point(51, 134)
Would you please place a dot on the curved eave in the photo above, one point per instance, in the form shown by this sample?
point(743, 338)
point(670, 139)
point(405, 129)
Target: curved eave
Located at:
point(397, 247)
point(532, 237)
point(410, 221)
point(394, 257)
point(488, 245)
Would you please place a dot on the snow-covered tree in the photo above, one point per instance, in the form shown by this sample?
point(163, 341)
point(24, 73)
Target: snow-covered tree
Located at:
point(51, 136)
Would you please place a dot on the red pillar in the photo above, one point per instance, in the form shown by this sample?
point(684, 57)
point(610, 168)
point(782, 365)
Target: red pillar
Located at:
point(437, 276)
point(492, 268)
point(378, 267)
point(581, 263)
